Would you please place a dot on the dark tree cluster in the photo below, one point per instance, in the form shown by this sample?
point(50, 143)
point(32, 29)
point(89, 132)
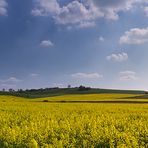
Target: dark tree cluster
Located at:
point(83, 88)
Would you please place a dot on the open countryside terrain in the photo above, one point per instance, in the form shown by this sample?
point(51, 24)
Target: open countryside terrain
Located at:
point(96, 98)
point(73, 74)
point(33, 123)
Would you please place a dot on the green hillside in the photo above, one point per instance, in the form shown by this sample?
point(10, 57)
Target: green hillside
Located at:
point(50, 92)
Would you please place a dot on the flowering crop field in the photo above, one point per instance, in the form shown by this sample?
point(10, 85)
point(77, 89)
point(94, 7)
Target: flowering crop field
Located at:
point(31, 124)
point(87, 97)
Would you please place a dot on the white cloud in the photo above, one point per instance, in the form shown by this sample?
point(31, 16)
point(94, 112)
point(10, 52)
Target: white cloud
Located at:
point(82, 25)
point(111, 8)
point(46, 44)
point(77, 13)
point(3, 7)
point(135, 36)
point(81, 13)
point(146, 11)
point(45, 8)
point(74, 13)
point(101, 39)
point(87, 75)
point(128, 76)
point(11, 80)
point(86, 24)
point(120, 57)
point(34, 75)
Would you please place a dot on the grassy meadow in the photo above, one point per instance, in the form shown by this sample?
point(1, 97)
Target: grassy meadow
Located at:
point(33, 123)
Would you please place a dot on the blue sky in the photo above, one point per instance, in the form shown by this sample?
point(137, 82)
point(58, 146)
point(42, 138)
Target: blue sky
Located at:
point(97, 43)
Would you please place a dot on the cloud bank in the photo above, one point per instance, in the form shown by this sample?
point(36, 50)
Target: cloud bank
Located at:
point(83, 13)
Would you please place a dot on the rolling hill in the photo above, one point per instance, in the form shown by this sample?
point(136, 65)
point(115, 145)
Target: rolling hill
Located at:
point(50, 92)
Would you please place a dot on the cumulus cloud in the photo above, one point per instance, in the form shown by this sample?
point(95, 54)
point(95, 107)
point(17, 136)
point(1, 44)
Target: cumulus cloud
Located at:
point(3, 7)
point(120, 57)
point(81, 13)
point(112, 7)
point(46, 44)
point(87, 75)
point(76, 13)
point(135, 36)
point(128, 76)
point(45, 8)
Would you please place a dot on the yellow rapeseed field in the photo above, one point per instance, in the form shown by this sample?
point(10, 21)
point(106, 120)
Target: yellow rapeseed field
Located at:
point(31, 124)
point(87, 97)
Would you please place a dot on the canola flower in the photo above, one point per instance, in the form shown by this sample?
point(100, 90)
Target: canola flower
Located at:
point(36, 124)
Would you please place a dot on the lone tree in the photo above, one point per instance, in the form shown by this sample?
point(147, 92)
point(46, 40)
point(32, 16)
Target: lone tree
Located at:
point(69, 86)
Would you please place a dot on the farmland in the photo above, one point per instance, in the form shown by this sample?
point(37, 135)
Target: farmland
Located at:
point(73, 74)
point(32, 123)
